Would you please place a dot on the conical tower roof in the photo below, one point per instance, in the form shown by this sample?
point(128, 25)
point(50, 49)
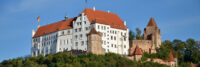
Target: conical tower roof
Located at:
point(93, 31)
point(171, 57)
point(152, 22)
point(138, 51)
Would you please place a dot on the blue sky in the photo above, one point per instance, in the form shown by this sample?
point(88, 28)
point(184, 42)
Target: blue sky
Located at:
point(177, 19)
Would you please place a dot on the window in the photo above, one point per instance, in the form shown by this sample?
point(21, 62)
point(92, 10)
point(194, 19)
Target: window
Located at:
point(79, 29)
point(115, 46)
point(80, 23)
point(114, 38)
point(82, 43)
point(76, 43)
point(86, 28)
point(68, 32)
point(75, 30)
point(104, 42)
point(98, 27)
point(104, 27)
point(76, 36)
point(111, 37)
point(124, 46)
point(111, 45)
point(67, 41)
point(124, 39)
point(63, 32)
point(77, 23)
point(85, 22)
point(81, 35)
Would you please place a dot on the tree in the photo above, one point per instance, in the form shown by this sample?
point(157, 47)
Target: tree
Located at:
point(138, 35)
point(131, 35)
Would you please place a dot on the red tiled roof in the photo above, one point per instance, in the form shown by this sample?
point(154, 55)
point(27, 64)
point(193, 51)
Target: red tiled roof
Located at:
point(152, 22)
point(104, 18)
point(93, 15)
point(50, 28)
point(138, 51)
point(171, 57)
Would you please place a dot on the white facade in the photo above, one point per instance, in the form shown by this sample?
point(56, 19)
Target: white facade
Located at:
point(113, 40)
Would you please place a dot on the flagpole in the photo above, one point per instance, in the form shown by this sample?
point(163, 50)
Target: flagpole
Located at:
point(86, 2)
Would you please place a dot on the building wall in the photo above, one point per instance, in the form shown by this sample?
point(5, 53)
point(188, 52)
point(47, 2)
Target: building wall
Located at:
point(155, 34)
point(137, 57)
point(64, 42)
point(112, 39)
point(95, 44)
point(81, 27)
point(44, 44)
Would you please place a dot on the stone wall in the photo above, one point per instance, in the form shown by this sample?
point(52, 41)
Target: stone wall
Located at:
point(145, 45)
point(170, 63)
point(95, 44)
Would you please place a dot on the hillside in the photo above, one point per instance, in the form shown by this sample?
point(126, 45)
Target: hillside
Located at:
point(70, 60)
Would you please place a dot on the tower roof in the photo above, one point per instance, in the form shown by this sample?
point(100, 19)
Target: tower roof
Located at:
point(138, 51)
point(152, 22)
point(93, 31)
point(171, 57)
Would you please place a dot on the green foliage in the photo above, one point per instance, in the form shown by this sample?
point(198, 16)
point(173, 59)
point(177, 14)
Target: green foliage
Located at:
point(138, 35)
point(184, 65)
point(131, 35)
point(69, 60)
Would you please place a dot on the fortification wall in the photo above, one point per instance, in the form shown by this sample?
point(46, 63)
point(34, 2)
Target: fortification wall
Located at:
point(145, 45)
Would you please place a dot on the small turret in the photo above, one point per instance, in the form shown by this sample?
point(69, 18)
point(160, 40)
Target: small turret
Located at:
point(66, 17)
point(152, 32)
point(33, 32)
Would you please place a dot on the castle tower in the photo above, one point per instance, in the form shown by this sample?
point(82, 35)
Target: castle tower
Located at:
point(152, 32)
point(138, 53)
point(95, 42)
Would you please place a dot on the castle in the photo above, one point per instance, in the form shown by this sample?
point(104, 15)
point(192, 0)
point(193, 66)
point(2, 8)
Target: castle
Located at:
point(74, 34)
point(97, 32)
point(152, 39)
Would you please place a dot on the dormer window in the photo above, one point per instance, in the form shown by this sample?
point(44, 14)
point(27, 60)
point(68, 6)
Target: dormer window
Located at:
point(63, 32)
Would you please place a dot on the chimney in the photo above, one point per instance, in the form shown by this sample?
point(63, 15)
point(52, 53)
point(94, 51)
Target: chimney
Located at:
point(33, 32)
point(94, 8)
point(108, 11)
point(124, 22)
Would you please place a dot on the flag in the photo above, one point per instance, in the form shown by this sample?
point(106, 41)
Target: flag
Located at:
point(38, 18)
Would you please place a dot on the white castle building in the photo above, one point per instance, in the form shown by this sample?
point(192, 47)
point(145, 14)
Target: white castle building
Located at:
point(72, 34)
